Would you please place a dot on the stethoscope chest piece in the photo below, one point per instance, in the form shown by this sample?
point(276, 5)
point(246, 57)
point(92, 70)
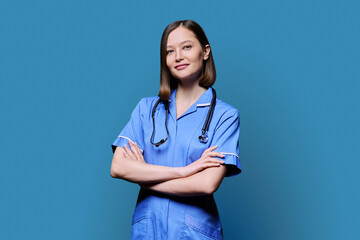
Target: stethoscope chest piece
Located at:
point(204, 138)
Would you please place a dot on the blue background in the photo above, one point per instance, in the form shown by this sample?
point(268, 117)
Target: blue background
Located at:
point(72, 71)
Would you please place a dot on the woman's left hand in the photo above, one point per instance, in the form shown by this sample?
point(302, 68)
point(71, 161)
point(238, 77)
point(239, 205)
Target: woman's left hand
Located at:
point(134, 153)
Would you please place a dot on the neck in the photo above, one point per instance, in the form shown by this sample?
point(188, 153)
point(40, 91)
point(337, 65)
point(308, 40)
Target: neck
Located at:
point(189, 93)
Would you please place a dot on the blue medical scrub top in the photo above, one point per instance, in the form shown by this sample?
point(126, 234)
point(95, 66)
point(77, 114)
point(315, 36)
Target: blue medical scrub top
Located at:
point(161, 216)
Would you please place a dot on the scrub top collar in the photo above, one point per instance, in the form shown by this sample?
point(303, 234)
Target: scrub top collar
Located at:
point(203, 101)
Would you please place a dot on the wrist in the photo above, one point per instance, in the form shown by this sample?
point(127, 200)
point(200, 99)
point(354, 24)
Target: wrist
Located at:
point(181, 172)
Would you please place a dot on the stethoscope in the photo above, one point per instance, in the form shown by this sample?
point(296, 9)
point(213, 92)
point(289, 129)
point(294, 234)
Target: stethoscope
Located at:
point(202, 138)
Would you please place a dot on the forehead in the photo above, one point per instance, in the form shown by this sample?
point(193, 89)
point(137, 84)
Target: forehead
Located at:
point(179, 35)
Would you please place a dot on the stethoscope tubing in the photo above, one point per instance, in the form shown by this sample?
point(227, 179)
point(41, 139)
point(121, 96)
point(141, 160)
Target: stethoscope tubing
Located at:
point(202, 138)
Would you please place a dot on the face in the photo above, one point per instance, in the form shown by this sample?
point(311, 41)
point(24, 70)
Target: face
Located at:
point(184, 54)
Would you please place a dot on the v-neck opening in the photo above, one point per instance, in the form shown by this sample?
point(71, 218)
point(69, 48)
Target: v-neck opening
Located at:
point(189, 110)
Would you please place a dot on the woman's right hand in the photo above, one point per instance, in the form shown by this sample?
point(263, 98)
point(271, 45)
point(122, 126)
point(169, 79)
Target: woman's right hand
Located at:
point(207, 160)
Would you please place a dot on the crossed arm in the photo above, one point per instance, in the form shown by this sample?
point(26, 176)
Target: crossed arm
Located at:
point(201, 177)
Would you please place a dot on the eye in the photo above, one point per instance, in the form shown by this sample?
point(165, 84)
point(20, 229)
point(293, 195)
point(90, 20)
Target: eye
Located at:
point(187, 47)
point(169, 51)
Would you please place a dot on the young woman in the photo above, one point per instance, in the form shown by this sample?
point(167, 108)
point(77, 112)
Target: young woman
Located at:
point(179, 145)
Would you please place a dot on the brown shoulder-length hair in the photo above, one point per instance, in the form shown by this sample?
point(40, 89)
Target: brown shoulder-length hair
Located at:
point(167, 81)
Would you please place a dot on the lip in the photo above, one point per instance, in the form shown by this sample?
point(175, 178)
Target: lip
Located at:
point(181, 66)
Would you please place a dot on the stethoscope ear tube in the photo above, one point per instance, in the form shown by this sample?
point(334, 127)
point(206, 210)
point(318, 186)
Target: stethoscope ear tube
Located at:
point(153, 118)
point(204, 137)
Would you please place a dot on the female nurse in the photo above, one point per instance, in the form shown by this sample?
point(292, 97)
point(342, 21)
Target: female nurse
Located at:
point(179, 145)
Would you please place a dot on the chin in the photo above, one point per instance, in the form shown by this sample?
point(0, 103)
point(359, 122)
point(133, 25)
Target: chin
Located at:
point(187, 77)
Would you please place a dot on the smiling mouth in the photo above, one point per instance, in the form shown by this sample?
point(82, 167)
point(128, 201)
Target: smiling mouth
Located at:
point(182, 66)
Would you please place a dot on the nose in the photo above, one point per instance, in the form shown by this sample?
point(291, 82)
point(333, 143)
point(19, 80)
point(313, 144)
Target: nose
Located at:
point(178, 56)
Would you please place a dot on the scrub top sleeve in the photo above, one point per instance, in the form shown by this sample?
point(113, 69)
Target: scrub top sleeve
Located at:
point(226, 137)
point(133, 130)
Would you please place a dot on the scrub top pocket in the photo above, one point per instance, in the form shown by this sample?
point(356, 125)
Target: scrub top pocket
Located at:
point(197, 230)
point(139, 228)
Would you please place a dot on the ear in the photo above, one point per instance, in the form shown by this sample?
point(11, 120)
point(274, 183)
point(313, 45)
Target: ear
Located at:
point(206, 52)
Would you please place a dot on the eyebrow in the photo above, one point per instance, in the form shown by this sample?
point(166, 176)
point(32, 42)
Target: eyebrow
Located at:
point(180, 43)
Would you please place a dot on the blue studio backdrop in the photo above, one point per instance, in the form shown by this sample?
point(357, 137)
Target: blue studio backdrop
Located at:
point(71, 72)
